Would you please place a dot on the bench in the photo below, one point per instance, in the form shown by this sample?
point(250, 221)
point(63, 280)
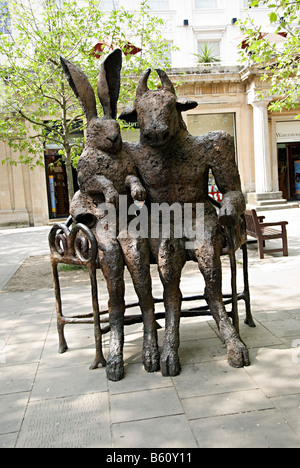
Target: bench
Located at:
point(261, 231)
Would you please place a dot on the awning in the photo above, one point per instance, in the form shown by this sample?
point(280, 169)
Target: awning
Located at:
point(272, 38)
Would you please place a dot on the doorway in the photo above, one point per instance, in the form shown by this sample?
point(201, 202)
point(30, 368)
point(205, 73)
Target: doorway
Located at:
point(57, 186)
point(289, 170)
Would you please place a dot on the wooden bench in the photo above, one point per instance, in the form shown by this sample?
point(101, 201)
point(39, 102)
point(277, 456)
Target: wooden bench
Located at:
point(257, 228)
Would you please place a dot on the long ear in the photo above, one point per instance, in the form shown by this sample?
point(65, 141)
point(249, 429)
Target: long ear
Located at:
point(129, 115)
point(82, 88)
point(109, 82)
point(184, 104)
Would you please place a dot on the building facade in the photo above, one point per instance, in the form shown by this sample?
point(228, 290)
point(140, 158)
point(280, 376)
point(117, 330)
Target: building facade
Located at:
point(267, 144)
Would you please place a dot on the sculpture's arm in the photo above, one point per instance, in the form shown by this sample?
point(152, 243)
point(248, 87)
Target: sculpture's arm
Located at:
point(136, 188)
point(100, 184)
point(224, 168)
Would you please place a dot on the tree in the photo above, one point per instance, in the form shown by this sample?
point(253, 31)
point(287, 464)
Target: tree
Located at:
point(206, 55)
point(37, 104)
point(280, 63)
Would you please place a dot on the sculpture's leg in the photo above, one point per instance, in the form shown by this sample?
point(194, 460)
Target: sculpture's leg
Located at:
point(99, 358)
point(208, 257)
point(207, 252)
point(249, 319)
point(137, 258)
point(171, 260)
point(112, 265)
point(63, 347)
point(234, 292)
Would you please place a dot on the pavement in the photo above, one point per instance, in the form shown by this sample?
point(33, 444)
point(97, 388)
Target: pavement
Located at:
point(51, 400)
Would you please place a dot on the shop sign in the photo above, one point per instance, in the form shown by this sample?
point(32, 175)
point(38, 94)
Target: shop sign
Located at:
point(288, 132)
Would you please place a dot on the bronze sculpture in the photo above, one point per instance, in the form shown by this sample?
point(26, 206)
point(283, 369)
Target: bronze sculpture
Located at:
point(167, 166)
point(174, 168)
point(105, 171)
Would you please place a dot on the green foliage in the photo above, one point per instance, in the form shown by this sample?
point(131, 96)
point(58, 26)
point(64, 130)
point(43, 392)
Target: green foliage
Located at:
point(206, 55)
point(281, 64)
point(37, 104)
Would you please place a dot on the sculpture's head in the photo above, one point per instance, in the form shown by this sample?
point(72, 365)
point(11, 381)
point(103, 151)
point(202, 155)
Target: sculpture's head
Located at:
point(158, 113)
point(102, 133)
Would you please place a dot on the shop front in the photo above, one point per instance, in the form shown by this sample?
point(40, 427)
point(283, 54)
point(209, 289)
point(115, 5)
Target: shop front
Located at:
point(288, 146)
point(57, 184)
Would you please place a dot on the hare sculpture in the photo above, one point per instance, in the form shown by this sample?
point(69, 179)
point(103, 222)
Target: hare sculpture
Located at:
point(106, 171)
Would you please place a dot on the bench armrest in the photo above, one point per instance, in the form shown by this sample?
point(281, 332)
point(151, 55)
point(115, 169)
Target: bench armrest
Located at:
point(280, 223)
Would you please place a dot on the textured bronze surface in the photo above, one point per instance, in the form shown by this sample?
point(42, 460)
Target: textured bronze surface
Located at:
point(168, 166)
point(174, 168)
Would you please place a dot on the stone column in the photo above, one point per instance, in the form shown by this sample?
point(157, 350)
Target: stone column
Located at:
point(262, 153)
point(264, 195)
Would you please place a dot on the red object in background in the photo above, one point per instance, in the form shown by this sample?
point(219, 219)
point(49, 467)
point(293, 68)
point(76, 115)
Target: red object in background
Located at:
point(98, 50)
point(101, 47)
point(273, 38)
point(130, 49)
point(215, 194)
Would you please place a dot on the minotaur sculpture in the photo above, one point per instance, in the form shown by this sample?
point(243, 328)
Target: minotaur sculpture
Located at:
point(174, 167)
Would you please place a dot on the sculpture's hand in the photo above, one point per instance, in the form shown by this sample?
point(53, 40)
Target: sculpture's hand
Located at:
point(137, 190)
point(111, 196)
point(228, 217)
point(232, 207)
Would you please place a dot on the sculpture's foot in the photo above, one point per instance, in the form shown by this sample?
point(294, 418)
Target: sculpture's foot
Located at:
point(63, 348)
point(97, 362)
point(115, 368)
point(250, 322)
point(238, 354)
point(170, 363)
point(151, 358)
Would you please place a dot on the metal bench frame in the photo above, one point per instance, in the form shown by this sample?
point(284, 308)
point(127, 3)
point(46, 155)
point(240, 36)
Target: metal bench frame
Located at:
point(75, 244)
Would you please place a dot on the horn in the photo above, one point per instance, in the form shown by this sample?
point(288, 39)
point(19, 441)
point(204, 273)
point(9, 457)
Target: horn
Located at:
point(166, 82)
point(143, 86)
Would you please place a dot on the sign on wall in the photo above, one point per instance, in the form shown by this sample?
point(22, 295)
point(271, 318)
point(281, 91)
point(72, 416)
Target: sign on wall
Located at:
point(288, 132)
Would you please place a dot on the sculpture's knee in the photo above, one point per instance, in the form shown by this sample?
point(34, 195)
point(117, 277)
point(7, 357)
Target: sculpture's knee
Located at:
point(171, 259)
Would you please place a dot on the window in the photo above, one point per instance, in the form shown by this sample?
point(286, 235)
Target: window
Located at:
point(201, 124)
point(108, 5)
point(211, 4)
point(210, 48)
point(158, 4)
point(5, 22)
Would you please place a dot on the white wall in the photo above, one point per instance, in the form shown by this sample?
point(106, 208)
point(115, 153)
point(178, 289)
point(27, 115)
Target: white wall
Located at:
point(205, 25)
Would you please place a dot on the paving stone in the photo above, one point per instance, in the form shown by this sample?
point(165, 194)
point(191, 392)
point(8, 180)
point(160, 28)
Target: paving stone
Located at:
point(274, 371)
point(15, 379)
point(211, 378)
point(258, 429)
point(12, 409)
point(75, 422)
point(226, 403)
point(171, 432)
point(8, 441)
point(145, 405)
point(68, 381)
